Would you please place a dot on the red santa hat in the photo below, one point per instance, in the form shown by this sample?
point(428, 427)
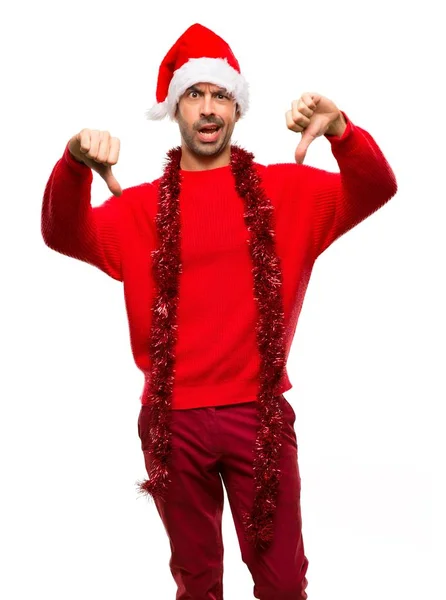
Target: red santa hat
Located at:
point(199, 55)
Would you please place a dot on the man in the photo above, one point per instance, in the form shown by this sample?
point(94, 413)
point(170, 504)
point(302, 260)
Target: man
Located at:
point(215, 257)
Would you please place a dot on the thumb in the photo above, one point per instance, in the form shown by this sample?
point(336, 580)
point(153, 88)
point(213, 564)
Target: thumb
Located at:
point(106, 173)
point(301, 150)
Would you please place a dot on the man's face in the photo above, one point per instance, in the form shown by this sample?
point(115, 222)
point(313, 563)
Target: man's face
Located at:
point(201, 106)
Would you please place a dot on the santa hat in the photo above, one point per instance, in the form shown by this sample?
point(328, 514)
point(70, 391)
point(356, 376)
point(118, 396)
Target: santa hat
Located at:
point(199, 55)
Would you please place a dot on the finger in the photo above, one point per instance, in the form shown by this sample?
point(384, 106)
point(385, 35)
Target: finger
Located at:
point(84, 140)
point(311, 100)
point(111, 181)
point(114, 186)
point(304, 108)
point(291, 124)
point(301, 150)
point(94, 144)
point(298, 117)
point(115, 145)
point(103, 150)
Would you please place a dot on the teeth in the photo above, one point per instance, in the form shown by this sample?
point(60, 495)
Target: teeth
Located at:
point(208, 133)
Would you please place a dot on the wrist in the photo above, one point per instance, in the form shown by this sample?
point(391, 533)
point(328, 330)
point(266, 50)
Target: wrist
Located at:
point(74, 157)
point(73, 162)
point(337, 127)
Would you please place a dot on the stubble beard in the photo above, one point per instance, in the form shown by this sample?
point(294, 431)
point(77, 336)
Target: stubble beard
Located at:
point(203, 148)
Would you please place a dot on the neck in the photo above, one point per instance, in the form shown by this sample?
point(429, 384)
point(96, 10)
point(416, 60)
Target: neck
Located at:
point(196, 162)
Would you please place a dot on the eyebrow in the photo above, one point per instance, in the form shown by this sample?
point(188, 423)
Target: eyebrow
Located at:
point(219, 90)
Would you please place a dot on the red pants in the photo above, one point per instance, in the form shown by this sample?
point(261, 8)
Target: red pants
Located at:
point(213, 446)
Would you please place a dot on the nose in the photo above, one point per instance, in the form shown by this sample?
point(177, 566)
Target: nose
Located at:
point(207, 107)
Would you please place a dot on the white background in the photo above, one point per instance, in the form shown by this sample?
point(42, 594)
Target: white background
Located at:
point(367, 362)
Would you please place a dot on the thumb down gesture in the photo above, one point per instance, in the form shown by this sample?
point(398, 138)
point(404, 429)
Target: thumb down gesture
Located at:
point(313, 115)
point(99, 151)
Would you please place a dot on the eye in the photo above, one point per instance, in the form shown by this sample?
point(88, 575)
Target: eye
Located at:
point(192, 92)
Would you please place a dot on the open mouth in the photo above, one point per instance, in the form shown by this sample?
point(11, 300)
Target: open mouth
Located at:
point(209, 133)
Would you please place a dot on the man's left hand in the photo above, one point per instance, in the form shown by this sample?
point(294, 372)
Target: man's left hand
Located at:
point(313, 115)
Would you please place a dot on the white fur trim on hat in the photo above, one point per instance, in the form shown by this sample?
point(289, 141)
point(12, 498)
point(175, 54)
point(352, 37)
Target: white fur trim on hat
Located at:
point(202, 70)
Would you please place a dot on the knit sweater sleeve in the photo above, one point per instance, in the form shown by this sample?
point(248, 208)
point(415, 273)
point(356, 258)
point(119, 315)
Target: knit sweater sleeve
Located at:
point(363, 185)
point(71, 226)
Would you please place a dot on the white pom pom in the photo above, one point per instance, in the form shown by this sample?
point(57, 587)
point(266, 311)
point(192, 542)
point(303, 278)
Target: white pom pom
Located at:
point(157, 112)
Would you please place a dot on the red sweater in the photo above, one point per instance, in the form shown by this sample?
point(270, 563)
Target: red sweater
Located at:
point(217, 359)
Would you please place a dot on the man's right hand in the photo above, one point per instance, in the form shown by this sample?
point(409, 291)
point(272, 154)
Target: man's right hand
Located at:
point(98, 151)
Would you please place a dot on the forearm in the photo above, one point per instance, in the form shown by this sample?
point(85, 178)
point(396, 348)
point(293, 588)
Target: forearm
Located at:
point(65, 204)
point(71, 226)
point(364, 184)
point(367, 178)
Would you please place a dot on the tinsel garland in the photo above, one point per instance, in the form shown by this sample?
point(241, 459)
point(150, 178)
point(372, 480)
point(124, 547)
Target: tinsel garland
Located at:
point(267, 277)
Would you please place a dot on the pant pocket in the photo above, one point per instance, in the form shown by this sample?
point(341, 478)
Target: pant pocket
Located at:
point(144, 427)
